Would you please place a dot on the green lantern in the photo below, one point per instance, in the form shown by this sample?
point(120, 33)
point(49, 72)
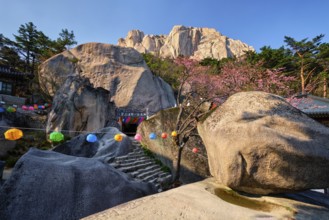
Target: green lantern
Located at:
point(11, 109)
point(56, 136)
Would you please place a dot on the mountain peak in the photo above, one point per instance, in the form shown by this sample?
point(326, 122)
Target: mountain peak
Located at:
point(194, 42)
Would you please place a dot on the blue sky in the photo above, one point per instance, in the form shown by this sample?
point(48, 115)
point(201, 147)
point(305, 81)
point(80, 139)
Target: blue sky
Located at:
point(255, 22)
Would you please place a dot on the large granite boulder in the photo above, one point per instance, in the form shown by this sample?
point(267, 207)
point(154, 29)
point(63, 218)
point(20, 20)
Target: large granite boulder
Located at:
point(258, 143)
point(104, 149)
point(77, 106)
point(194, 166)
point(198, 43)
point(50, 185)
point(121, 71)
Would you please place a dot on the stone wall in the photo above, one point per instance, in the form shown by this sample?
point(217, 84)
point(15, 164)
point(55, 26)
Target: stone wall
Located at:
point(194, 165)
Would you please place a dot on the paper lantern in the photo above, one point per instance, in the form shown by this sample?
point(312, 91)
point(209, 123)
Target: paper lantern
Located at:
point(134, 120)
point(11, 109)
point(35, 106)
point(152, 136)
point(118, 137)
point(91, 138)
point(13, 134)
point(140, 120)
point(164, 135)
point(25, 108)
point(195, 150)
point(174, 133)
point(56, 136)
point(2, 110)
point(127, 120)
point(31, 108)
point(41, 107)
point(138, 137)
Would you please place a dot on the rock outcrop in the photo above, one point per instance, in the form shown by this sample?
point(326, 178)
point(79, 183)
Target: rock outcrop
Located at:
point(258, 143)
point(104, 149)
point(50, 185)
point(77, 106)
point(194, 166)
point(121, 71)
point(198, 43)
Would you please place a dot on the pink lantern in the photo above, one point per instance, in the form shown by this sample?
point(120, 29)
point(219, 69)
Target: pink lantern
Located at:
point(31, 108)
point(138, 137)
point(25, 108)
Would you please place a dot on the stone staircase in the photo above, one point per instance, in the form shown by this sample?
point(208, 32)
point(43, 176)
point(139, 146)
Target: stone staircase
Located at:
point(142, 167)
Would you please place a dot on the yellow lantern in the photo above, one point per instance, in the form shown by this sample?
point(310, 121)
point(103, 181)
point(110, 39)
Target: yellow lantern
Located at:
point(118, 137)
point(174, 133)
point(13, 134)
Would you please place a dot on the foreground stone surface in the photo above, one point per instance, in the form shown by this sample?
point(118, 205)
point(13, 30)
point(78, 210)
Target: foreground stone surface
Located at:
point(198, 201)
point(50, 185)
point(121, 71)
point(198, 43)
point(258, 143)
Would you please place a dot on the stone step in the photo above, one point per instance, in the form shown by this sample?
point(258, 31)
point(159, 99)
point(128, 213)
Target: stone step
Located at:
point(165, 179)
point(141, 167)
point(135, 162)
point(129, 160)
point(119, 158)
point(136, 154)
point(137, 144)
point(140, 171)
point(129, 156)
point(150, 177)
point(164, 174)
point(144, 174)
point(134, 168)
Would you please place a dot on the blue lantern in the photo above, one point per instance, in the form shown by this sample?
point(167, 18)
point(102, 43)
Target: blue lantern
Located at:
point(2, 110)
point(91, 138)
point(153, 136)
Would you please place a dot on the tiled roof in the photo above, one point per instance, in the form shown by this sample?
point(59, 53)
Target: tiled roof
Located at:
point(314, 106)
point(10, 72)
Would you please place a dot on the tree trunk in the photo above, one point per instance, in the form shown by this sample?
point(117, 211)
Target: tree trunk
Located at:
point(178, 164)
point(325, 87)
point(302, 77)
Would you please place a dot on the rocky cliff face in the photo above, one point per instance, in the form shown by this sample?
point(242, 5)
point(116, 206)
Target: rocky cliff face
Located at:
point(77, 106)
point(121, 71)
point(198, 43)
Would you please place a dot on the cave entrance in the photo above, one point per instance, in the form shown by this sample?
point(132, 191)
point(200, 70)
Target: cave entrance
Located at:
point(129, 129)
point(129, 120)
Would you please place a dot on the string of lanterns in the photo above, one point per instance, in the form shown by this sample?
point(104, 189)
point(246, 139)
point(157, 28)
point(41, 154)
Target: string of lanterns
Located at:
point(164, 135)
point(56, 136)
point(24, 107)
